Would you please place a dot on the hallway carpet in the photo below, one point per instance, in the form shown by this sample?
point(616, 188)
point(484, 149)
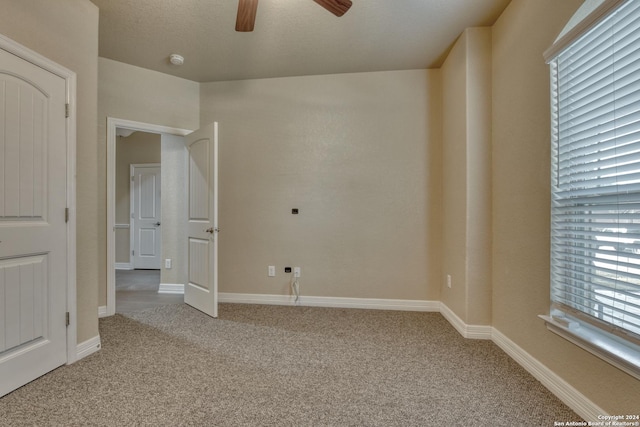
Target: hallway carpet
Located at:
point(285, 366)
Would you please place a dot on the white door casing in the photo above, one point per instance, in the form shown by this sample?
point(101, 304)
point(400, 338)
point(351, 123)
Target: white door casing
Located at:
point(201, 289)
point(146, 234)
point(34, 251)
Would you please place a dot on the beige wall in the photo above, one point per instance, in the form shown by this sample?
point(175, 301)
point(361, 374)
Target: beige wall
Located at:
point(139, 147)
point(521, 202)
point(66, 31)
point(454, 177)
point(466, 177)
point(479, 289)
point(174, 209)
point(358, 154)
point(133, 93)
point(583, 11)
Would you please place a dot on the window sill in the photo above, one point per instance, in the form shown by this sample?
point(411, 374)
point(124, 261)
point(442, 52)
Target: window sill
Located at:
point(614, 352)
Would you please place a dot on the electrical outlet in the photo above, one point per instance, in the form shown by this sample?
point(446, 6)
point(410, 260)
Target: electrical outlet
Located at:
point(296, 271)
point(449, 281)
point(272, 271)
point(167, 263)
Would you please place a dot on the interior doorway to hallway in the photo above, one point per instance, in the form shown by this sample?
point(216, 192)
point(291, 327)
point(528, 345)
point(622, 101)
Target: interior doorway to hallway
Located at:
point(139, 288)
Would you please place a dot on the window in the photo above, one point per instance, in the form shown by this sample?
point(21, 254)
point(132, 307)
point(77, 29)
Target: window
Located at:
point(595, 189)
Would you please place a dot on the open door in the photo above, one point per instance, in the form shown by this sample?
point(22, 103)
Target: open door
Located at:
point(201, 289)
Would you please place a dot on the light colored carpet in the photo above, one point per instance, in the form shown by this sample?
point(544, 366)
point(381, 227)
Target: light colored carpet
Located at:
point(285, 366)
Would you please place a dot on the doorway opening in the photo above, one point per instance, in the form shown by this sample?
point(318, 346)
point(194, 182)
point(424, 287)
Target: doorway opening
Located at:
point(157, 278)
point(138, 228)
point(138, 290)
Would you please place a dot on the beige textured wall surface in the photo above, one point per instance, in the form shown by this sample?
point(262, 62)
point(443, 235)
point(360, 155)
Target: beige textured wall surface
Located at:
point(139, 147)
point(454, 177)
point(583, 11)
point(122, 244)
point(174, 209)
point(521, 203)
point(133, 93)
point(478, 296)
point(466, 177)
point(66, 31)
point(355, 153)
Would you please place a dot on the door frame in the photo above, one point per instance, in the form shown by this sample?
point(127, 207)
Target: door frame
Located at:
point(112, 125)
point(70, 79)
point(132, 193)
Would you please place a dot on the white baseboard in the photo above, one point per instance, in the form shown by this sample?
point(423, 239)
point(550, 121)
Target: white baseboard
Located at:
point(478, 332)
point(88, 347)
point(102, 311)
point(575, 400)
point(171, 288)
point(123, 266)
point(310, 301)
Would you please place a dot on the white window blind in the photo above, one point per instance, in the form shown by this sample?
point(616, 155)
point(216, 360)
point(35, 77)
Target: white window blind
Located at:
point(595, 183)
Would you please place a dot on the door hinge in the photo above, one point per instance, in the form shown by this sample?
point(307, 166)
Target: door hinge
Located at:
point(133, 253)
point(67, 319)
point(66, 110)
point(66, 214)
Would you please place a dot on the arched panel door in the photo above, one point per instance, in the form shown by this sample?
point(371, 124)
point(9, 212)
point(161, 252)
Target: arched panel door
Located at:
point(201, 289)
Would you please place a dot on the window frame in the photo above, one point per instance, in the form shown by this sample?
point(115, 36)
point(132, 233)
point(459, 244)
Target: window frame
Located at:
point(601, 338)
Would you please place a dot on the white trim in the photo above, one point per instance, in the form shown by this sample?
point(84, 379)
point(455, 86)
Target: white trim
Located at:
point(70, 79)
point(478, 332)
point(595, 341)
point(311, 301)
point(34, 57)
point(88, 347)
point(171, 288)
point(123, 266)
point(575, 400)
point(216, 225)
point(112, 125)
point(591, 20)
point(102, 311)
point(72, 308)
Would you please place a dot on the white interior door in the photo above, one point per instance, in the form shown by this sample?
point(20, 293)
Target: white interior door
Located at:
point(146, 215)
point(33, 230)
point(201, 289)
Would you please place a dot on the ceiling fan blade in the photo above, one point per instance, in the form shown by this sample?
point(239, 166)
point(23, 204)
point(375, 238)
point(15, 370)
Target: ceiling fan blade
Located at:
point(246, 17)
point(337, 7)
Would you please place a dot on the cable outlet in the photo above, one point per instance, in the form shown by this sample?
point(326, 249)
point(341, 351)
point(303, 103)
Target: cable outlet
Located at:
point(272, 271)
point(449, 281)
point(296, 271)
point(167, 263)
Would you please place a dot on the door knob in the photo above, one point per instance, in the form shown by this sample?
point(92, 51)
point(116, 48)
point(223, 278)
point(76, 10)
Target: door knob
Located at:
point(209, 230)
point(157, 224)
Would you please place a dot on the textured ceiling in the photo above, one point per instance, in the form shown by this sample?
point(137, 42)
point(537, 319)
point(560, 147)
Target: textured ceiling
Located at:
point(291, 37)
